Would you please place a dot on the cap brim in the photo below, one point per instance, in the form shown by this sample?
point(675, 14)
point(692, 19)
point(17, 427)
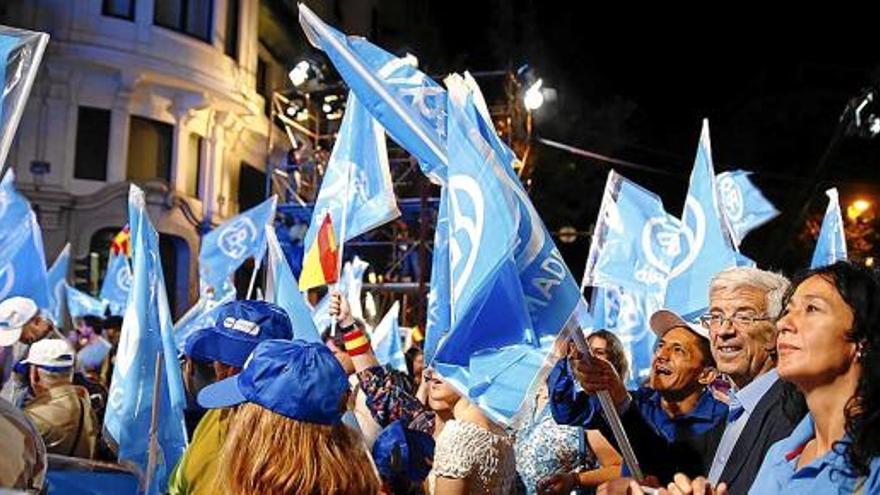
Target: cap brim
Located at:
point(665, 320)
point(224, 393)
point(208, 345)
point(9, 337)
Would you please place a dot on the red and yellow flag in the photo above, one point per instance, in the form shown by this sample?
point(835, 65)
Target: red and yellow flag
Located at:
point(320, 266)
point(121, 243)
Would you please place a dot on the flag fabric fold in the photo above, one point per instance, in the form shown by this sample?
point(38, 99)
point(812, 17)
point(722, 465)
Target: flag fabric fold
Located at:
point(225, 248)
point(386, 340)
point(57, 280)
point(286, 294)
point(146, 337)
point(117, 283)
point(744, 205)
point(706, 243)
point(831, 244)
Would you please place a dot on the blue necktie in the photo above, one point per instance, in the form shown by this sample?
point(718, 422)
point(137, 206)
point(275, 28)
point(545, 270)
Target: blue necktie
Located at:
point(735, 409)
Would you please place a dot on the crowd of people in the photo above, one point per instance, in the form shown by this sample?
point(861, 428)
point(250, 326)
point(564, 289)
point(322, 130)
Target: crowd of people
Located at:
point(774, 389)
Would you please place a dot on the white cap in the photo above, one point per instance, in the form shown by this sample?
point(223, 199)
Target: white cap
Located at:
point(15, 312)
point(56, 353)
point(665, 320)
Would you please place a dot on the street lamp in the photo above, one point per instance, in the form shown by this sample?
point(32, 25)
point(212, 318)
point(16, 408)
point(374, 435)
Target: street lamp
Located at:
point(534, 97)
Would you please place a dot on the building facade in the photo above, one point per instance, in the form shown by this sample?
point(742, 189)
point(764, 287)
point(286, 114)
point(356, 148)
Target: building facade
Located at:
point(162, 93)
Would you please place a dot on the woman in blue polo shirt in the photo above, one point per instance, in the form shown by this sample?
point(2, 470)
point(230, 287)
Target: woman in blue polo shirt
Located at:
point(829, 348)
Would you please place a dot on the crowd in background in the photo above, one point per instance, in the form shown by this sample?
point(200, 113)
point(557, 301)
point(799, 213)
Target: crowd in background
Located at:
point(773, 390)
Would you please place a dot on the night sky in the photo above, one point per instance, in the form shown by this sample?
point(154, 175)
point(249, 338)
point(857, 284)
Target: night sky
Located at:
point(635, 85)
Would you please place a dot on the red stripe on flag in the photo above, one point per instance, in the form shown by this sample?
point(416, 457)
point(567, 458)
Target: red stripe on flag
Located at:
point(327, 250)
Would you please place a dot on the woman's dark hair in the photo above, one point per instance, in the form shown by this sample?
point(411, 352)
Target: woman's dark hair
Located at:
point(410, 357)
point(860, 289)
point(614, 348)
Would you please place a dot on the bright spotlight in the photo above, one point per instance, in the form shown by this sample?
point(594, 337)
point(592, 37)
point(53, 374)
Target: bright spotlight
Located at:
point(299, 74)
point(533, 97)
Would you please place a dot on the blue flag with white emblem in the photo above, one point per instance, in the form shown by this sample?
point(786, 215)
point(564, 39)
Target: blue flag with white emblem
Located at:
point(81, 304)
point(705, 243)
point(626, 313)
point(147, 333)
point(438, 317)
point(57, 279)
point(550, 290)
point(831, 244)
point(24, 273)
point(488, 315)
point(407, 103)
point(357, 179)
point(285, 292)
point(243, 236)
point(744, 205)
point(635, 241)
point(117, 283)
point(386, 341)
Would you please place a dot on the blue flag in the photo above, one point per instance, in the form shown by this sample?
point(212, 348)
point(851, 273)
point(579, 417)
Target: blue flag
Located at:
point(57, 279)
point(407, 103)
point(225, 248)
point(635, 241)
point(386, 340)
point(80, 304)
point(550, 290)
point(438, 316)
point(201, 315)
point(357, 174)
point(626, 314)
point(321, 314)
point(706, 244)
point(831, 244)
point(146, 334)
point(117, 283)
point(15, 226)
point(744, 206)
point(488, 307)
point(285, 292)
point(24, 274)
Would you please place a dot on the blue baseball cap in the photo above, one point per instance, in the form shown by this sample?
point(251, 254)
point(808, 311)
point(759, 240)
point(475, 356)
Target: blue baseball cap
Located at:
point(238, 328)
point(294, 378)
point(401, 454)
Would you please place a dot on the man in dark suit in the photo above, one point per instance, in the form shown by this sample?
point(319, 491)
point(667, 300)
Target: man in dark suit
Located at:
point(743, 306)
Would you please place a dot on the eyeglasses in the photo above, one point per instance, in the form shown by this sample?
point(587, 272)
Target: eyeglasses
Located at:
point(714, 321)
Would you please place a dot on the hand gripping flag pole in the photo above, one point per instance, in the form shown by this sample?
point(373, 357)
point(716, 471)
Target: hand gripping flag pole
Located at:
point(626, 450)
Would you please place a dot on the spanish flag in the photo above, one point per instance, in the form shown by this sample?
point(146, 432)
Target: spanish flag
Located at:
point(320, 265)
point(121, 243)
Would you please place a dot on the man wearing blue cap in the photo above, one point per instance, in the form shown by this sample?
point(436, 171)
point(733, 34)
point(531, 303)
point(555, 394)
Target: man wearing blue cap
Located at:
point(240, 326)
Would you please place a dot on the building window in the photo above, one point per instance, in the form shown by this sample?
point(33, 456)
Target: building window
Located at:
point(149, 149)
point(251, 186)
point(123, 9)
point(232, 10)
point(194, 165)
point(263, 85)
point(192, 17)
point(92, 142)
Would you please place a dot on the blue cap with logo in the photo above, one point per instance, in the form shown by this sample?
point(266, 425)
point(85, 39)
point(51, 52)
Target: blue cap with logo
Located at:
point(401, 454)
point(239, 327)
point(294, 378)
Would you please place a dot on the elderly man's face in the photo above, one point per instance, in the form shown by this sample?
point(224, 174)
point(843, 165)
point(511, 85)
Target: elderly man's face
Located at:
point(742, 351)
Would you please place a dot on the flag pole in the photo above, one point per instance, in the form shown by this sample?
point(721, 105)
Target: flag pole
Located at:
point(610, 411)
point(153, 449)
point(257, 263)
point(333, 323)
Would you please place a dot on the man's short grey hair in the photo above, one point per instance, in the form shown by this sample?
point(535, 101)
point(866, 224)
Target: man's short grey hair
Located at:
point(774, 285)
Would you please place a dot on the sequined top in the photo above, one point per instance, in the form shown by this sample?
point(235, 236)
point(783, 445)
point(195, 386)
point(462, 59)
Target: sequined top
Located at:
point(485, 458)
